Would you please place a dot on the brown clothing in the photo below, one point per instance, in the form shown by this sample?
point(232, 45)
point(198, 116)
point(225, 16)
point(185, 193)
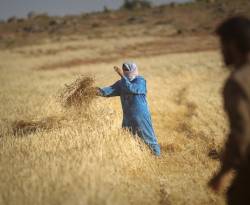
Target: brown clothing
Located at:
point(237, 151)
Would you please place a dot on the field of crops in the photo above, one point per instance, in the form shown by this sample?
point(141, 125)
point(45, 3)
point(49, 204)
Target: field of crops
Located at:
point(52, 154)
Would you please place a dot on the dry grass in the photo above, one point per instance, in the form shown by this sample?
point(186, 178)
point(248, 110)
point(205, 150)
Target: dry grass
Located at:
point(87, 158)
point(149, 48)
point(22, 127)
point(79, 93)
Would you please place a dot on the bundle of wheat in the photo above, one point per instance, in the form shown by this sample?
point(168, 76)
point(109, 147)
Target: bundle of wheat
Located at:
point(25, 127)
point(80, 92)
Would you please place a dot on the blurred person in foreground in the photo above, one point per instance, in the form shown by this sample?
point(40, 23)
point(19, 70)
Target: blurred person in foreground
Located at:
point(234, 36)
point(136, 115)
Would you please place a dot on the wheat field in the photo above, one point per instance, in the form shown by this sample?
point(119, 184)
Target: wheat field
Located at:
point(83, 156)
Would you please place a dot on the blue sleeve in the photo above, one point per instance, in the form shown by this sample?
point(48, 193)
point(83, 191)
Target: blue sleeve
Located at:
point(138, 86)
point(111, 91)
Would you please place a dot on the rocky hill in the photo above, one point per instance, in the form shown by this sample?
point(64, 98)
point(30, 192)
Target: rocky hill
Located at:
point(197, 18)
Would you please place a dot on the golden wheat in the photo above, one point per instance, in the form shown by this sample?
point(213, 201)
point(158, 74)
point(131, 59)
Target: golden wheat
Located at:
point(86, 158)
point(79, 93)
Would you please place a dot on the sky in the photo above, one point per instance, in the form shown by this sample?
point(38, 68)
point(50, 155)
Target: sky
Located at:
point(20, 8)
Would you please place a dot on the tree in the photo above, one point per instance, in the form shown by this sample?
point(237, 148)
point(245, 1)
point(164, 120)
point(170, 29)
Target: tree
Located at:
point(136, 4)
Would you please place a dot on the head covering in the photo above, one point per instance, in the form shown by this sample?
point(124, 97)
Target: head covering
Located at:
point(130, 71)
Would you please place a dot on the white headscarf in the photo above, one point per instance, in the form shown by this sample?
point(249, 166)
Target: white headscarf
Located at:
point(132, 70)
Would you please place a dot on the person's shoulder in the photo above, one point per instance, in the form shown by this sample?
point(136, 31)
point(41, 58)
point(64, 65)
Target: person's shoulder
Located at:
point(231, 84)
point(232, 88)
point(240, 80)
point(139, 78)
point(242, 77)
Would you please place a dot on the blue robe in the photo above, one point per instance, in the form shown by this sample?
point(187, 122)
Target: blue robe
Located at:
point(136, 114)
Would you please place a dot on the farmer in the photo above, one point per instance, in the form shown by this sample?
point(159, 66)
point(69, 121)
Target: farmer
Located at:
point(234, 36)
point(136, 115)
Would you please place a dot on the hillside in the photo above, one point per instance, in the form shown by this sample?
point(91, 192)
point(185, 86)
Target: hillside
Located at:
point(188, 19)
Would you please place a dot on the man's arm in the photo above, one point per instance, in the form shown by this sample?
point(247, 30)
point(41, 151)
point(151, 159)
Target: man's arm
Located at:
point(110, 91)
point(235, 153)
point(236, 106)
point(137, 87)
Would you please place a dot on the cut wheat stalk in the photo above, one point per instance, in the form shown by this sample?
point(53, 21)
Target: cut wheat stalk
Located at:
point(81, 92)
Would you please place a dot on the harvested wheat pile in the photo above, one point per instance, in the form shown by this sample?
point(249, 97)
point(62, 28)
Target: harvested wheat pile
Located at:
point(80, 92)
point(25, 127)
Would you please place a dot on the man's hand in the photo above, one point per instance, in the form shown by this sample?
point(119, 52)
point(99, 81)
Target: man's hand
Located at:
point(218, 182)
point(118, 70)
point(98, 91)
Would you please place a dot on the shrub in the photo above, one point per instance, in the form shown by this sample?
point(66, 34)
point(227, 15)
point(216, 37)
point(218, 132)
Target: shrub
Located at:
point(136, 4)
